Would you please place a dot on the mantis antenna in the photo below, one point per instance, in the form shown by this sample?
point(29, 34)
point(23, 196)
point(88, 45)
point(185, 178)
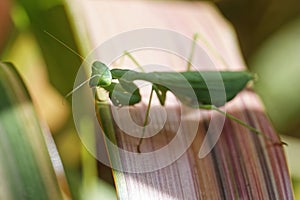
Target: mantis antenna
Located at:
point(77, 54)
point(80, 85)
point(80, 56)
point(64, 44)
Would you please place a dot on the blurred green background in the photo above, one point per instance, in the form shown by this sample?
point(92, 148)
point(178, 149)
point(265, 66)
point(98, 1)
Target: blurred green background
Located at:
point(268, 32)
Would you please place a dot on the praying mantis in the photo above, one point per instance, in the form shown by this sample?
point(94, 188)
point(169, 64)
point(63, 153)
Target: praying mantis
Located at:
point(119, 83)
point(126, 93)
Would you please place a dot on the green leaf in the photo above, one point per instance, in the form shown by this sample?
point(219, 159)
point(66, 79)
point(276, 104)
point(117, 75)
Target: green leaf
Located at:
point(25, 167)
point(51, 16)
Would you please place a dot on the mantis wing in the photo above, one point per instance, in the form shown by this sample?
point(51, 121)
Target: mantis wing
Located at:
point(224, 85)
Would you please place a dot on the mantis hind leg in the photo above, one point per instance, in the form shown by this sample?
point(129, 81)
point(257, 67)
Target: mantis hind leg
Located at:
point(251, 128)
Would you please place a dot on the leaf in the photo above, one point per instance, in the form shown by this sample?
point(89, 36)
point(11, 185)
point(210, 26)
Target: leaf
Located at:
point(51, 16)
point(25, 163)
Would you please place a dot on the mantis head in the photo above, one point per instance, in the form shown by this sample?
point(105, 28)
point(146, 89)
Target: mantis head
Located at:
point(101, 75)
point(122, 93)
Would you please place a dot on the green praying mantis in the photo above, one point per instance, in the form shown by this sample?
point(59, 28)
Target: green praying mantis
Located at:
point(119, 83)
